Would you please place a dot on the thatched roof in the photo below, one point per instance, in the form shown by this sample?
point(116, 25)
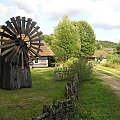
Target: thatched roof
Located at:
point(100, 53)
point(46, 51)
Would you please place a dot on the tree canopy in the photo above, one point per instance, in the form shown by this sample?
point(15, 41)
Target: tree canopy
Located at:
point(67, 36)
point(87, 37)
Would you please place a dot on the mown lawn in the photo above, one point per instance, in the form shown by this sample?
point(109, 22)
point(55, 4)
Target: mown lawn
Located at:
point(97, 102)
point(23, 104)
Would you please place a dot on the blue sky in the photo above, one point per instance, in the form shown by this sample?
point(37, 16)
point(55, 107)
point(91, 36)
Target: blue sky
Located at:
point(102, 15)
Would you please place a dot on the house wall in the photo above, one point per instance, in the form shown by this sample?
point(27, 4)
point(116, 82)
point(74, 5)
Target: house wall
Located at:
point(41, 62)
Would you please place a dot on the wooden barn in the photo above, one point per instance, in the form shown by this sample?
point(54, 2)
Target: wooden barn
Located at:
point(46, 58)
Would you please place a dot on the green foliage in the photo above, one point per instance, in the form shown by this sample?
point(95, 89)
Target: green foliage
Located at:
point(82, 69)
point(48, 39)
point(113, 61)
point(105, 44)
point(118, 48)
point(67, 37)
point(87, 37)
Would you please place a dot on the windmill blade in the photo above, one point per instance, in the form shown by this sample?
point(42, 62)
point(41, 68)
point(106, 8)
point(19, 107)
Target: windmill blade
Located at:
point(36, 39)
point(4, 40)
point(15, 24)
point(31, 55)
point(26, 59)
point(15, 54)
point(10, 55)
point(36, 35)
point(6, 35)
point(32, 26)
point(7, 45)
point(37, 48)
point(29, 20)
point(11, 26)
point(5, 28)
point(8, 50)
point(22, 60)
point(18, 58)
point(34, 52)
point(23, 24)
point(18, 21)
point(35, 30)
point(39, 44)
point(7, 42)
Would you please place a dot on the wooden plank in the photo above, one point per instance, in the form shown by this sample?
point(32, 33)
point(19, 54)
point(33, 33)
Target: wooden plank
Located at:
point(18, 21)
point(34, 52)
point(5, 28)
point(32, 26)
point(15, 54)
point(15, 24)
point(23, 24)
point(7, 42)
point(29, 20)
point(6, 35)
point(10, 55)
point(37, 48)
point(8, 50)
point(7, 45)
point(34, 30)
point(32, 55)
point(22, 60)
point(36, 39)
point(39, 44)
point(11, 27)
point(18, 58)
point(36, 35)
point(4, 40)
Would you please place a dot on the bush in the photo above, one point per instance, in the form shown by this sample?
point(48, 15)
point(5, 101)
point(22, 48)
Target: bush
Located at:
point(113, 61)
point(82, 69)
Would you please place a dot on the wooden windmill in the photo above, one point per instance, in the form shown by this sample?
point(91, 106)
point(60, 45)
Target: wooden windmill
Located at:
point(19, 44)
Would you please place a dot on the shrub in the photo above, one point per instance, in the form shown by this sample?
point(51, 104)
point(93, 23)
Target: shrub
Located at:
point(82, 69)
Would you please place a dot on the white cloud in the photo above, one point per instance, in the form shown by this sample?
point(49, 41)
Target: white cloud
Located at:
point(103, 14)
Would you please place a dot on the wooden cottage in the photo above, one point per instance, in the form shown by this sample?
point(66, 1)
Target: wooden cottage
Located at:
point(99, 55)
point(46, 58)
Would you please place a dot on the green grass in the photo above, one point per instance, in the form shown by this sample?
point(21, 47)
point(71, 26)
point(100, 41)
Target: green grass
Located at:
point(108, 70)
point(97, 102)
point(23, 104)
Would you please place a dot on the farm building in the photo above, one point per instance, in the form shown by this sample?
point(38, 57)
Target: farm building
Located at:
point(99, 55)
point(46, 58)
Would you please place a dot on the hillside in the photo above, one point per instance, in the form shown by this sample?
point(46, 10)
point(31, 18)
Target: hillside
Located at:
point(105, 44)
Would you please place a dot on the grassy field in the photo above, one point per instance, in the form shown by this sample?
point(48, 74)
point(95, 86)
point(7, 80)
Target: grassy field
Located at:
point(23, 104)
point(108, 70)
point(97, 102)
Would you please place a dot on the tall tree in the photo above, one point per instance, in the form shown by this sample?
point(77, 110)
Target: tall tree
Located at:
point(67, 36)
point(87, 37)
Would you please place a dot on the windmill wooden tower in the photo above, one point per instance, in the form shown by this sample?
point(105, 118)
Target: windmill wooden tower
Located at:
point(20, 43)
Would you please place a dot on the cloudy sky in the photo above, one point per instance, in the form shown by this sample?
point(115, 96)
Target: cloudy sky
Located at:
point(102, 15)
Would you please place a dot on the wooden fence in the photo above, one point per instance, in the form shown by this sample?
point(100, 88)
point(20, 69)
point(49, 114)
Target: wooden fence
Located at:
point(62, 73)
point(62, 110)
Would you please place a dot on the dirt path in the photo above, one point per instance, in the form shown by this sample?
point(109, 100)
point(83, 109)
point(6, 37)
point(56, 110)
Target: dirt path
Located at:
point(114, 83)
